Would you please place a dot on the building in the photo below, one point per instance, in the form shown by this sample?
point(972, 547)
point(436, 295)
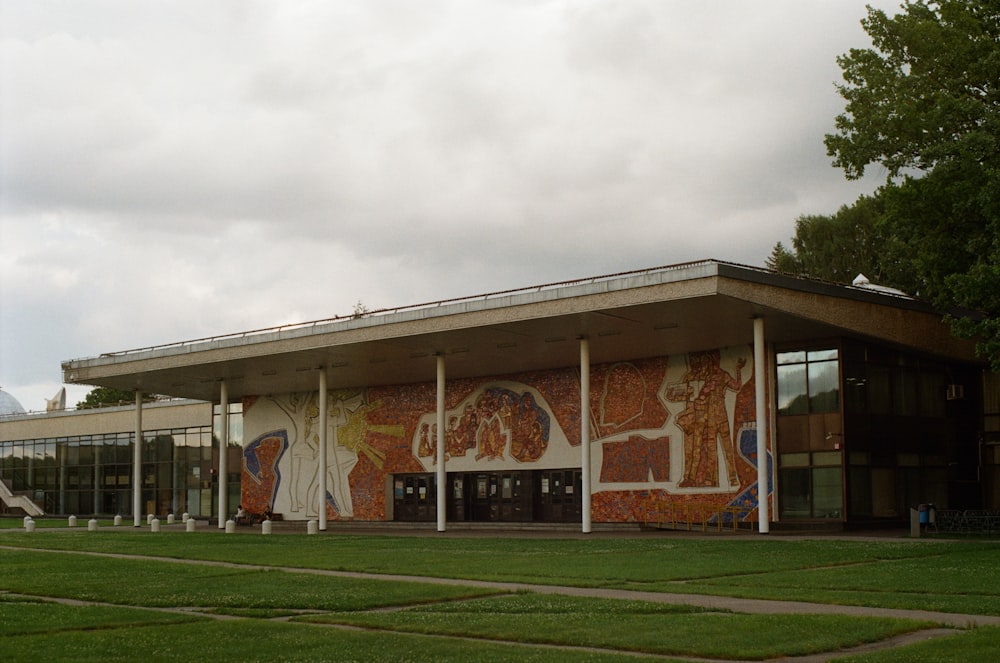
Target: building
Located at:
point(623, 398)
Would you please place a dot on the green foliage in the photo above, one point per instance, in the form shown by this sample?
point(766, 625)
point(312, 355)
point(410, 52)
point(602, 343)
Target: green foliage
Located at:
point(836, 248)
point(926, 94)
point(101, 396)
point(923, 104)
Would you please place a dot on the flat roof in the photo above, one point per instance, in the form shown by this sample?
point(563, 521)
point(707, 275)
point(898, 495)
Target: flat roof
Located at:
point(651, 312)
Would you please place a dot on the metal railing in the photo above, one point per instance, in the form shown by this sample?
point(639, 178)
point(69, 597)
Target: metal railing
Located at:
point(411, 307)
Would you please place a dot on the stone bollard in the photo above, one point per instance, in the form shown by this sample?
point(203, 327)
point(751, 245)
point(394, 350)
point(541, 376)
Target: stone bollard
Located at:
point(27, 519)
point(185, 517)
point(29, 525)
point(170, 519)
point(154, 525)
point(92, 525)
point(189, 524)
point(312, 527)
point(118, 521)
point(149, 518)
point(230, 526)
point(72, 521)
point(265, 527)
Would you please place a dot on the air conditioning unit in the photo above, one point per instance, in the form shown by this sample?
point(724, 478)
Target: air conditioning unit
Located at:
point(955, 392)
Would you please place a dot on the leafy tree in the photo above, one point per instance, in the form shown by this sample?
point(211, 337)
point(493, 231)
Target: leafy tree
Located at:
point(924, 104)
point(835, 248)
point(101, 396)
point(783, 260)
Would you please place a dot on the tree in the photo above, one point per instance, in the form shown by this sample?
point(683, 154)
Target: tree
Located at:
point(101, 396)
point(926, 94)
point(924, 104)
point(783, 260)
point(835, 248)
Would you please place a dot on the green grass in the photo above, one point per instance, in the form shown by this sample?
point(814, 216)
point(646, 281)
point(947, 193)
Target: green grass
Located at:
point(426, 620)
point(632, 626)
point(166, 584)
point(946, 576)
point(254, 640)
point(19, 616)
point(981, 644)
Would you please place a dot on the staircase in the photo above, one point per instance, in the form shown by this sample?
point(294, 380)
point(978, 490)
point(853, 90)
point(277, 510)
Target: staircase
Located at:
point(19, 500)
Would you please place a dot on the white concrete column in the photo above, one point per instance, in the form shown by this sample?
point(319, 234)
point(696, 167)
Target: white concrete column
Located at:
point(223, 453)
point(760, 393)
point(137, 463)
point(585, 430)
point(442, 474)
point(322, 424)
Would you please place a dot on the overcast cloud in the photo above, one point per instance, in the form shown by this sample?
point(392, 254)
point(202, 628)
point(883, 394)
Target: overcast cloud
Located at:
point(176, 170)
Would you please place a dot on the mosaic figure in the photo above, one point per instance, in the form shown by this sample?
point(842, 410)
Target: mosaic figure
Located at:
point(704, 420)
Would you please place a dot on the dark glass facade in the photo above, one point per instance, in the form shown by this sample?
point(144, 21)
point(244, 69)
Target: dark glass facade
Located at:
point(866, 432)
point(92, 474)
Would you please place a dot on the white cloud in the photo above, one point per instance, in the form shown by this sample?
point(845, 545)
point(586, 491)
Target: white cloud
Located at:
point(172, 170)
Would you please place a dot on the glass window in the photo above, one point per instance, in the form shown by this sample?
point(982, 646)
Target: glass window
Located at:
point(821, 355)
point(795, 460)
point(904, 393)
point(932, 391)
point(826, 458)
point(791, 357)
point(879, 390)
point(792, 389)
point(795, 493)
point(827, 492)
point(808, 382)
point(860, 491)
point(824, 389)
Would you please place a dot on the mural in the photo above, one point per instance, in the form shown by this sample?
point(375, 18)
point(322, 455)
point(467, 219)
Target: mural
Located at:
point(666, 432)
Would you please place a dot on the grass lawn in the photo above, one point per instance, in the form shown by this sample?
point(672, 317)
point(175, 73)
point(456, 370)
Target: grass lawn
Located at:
point(406, 620)
point(632, 625)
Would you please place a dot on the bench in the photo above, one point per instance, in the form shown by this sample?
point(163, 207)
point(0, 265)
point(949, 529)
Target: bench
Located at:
point(253, 518)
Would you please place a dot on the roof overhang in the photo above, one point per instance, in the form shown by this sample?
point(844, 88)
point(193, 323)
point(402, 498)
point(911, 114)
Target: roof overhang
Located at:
point(655, 312)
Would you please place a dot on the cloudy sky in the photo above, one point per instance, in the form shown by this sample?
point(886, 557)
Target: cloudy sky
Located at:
point(176, 170)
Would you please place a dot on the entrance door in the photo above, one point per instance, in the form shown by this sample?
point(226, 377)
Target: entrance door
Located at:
point(498, 496)
point(415, 497)
point(483, 500)
point(558, 495)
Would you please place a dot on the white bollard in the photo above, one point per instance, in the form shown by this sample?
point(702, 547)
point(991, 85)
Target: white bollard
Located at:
point(29, 525)
point(265, 527)
point(312, 527)
point(72, 521)
point(27, 519)
point(170, 519)
point(185, 517)
point(189, 524)
point(118, 521)
point(154, 525)
point(230, 526)
point(92, 525)
point(149, 518)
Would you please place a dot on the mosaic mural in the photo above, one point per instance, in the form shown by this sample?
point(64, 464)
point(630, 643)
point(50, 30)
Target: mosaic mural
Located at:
point(666, 433)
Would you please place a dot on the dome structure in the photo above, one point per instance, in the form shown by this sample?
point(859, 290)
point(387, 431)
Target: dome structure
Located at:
point(9, 404)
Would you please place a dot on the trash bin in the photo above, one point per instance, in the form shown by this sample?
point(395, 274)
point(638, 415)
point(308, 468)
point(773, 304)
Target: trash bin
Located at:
point(925, 513)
